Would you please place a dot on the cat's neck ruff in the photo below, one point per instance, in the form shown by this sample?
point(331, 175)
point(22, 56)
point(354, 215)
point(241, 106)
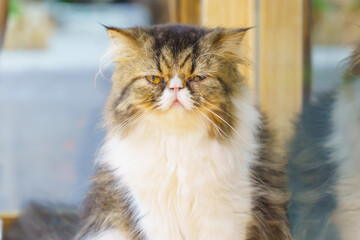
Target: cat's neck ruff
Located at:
point(181, 183)
point(154, 139)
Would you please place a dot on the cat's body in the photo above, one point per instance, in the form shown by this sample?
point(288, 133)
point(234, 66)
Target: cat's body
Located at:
point(177, 175)
point(206, 192)
point(325, 165)
point(182, 184)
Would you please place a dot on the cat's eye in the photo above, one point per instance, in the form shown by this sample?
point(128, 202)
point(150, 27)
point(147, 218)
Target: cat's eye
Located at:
point(198, 78)
point(153, 79)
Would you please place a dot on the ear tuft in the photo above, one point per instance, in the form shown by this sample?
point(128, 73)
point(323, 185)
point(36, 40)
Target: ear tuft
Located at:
point(112, 32)
point(118, 35)
point(124, 45)
point(228, 42)
point(235, 35)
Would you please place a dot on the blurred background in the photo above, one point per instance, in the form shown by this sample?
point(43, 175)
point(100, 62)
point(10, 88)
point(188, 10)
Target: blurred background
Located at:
point(51, 97)
point(335, 29)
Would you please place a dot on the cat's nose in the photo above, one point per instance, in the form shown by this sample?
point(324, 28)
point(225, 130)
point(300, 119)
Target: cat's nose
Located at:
point(176, 89)
point(176, 83)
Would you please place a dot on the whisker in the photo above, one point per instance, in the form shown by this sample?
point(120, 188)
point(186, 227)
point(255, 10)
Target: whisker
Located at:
point(218, 129)
point(104, 63)
point(127, 121)
point(146, 101)
point(139, 116)
point(131, 123)
point(198, 116)
point(99, 147)
point(213, 105)
point(226, 124)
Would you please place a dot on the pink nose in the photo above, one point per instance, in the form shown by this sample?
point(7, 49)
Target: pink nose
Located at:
point(176, 89)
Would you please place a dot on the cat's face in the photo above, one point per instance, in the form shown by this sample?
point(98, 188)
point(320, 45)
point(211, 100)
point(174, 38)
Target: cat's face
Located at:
point(174, 75)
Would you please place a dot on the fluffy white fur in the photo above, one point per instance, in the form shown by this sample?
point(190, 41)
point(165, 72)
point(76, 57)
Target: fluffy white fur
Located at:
point(185, 185)
point(345, 142)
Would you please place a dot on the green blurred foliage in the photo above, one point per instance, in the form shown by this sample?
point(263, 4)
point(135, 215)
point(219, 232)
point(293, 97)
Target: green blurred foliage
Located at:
point(356, 5)
point(14, 7)
point(323, 5)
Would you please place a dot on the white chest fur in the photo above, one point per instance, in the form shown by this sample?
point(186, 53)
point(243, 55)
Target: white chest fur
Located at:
point(187, 187)
point(345, 142)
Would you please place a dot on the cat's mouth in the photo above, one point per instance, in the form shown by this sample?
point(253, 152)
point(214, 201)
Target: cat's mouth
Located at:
point(177, 103)
point(175, 100)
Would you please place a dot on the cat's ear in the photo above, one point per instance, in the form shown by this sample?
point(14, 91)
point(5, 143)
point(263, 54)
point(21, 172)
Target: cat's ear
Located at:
point(230, 36)
point(124, 44)
point(121, 36)
point(228, 42)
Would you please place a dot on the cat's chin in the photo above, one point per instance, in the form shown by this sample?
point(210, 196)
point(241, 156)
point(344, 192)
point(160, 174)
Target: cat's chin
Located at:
point(176, 113)
point(177, 104)
point(178, 119)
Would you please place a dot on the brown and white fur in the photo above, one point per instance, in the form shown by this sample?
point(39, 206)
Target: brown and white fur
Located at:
point(189, 157)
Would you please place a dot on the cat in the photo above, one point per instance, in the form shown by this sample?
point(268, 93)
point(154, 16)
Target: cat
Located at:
point(187, 153)
point(324, 164)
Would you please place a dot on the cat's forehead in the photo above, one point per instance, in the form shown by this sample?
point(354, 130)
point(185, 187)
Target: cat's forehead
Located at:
point(175, 37)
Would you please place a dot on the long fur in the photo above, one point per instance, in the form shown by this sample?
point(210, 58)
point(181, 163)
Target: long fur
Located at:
point(205, 171)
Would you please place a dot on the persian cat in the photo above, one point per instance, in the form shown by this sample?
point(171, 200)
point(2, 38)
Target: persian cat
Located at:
point(324, 167)
point(187, 153)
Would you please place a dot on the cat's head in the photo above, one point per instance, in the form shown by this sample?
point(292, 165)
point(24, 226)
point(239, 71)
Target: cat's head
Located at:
point(175, 76)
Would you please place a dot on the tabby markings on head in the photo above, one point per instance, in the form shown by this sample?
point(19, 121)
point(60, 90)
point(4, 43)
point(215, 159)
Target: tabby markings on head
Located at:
point(176, 73)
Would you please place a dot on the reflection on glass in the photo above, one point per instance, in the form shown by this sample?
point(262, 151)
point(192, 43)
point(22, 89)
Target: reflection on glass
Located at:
point(324, 159)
